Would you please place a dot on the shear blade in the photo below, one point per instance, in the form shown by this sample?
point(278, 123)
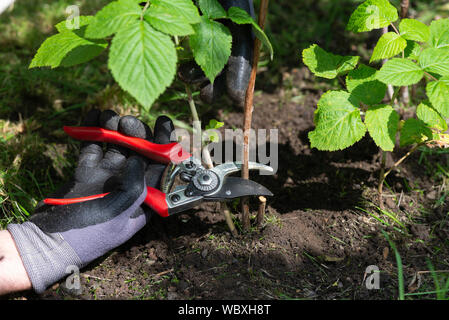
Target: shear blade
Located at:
point(234, 187)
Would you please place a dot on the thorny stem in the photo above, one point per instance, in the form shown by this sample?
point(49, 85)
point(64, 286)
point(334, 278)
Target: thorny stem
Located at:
point(249, 111)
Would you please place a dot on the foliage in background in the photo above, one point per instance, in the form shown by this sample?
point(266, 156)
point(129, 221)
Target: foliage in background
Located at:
point(143, 42)
point(423, 53)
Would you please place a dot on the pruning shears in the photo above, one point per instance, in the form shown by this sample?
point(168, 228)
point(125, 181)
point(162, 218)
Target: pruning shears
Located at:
point(202, 184)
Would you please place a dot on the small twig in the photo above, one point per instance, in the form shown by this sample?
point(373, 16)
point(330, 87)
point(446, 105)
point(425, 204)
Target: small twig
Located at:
point(162, 273)
point(402, 159)
point(261, 212)
point(381, 179)
point(430, 76)
point(94, 277)
point(227, 214)
point(395, 29)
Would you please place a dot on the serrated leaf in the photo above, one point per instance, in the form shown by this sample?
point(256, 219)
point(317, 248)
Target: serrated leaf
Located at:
point(430, 116)
point(389, 45)
point(113, 17)
point(142, 61)
point(67, 49)
point(414, 131)
point(211, 46)
point(372, 14)
point(382, 123)
point(415, 30)
point(435, 60)
point(400, 72)
point(327, 65)
point(67, 25)
point(240, 16)
point(412, 51)
point(363, 85)
point(439, 33)
point(212, 9)
point(184, 9)
point(438, 93)
point(169, 16)
point(338, 122)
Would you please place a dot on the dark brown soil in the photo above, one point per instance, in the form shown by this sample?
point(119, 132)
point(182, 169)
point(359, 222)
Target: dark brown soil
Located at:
point(318, 237)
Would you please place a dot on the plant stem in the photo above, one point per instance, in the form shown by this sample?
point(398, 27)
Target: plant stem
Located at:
point(394, 28)
point(405, 4)
point(382, 179)
point(249, 111)
point(144, 9)
point(402, 159)
point(207, 157)
point(430, 76)
point(261, 212)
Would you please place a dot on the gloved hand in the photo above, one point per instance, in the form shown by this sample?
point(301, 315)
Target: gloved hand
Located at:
point(235, 77)
point(56, 237)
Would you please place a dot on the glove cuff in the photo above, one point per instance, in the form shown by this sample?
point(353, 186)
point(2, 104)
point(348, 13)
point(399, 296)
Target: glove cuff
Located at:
point(45, 256)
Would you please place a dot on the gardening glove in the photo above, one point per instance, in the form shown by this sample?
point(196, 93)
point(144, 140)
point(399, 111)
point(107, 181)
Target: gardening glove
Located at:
point(235, 77)
point(58, 237)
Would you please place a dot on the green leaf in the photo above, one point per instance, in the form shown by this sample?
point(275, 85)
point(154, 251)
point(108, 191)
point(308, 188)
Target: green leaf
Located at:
point(211, 46)
point(327, 65)
point(439, 33)
point(240, 16)
point(430, 116)
point(173, 17)
point(338, 122)
point(363, 85)
point(213, 125)
point(142, 61)
point(372, 14)
point(389, 45)
point(415, 30)
point(382, 123)
point(212, 9)
point(113, 17)
point(67, 49)
point(412, 51)
point(67, 24)
point(414, 131)
point(438, 93)
point(400, 72)
point(435, 60)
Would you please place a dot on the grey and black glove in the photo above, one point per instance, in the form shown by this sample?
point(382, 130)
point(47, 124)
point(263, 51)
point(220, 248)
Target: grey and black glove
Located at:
point(58, 237)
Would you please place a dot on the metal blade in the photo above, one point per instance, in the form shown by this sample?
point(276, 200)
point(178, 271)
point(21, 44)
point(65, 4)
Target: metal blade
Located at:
point(235, 187)
point(231, 167)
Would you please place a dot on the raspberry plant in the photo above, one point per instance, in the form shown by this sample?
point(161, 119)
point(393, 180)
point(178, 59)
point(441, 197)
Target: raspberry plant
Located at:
point(145, 38)
point(412, 53)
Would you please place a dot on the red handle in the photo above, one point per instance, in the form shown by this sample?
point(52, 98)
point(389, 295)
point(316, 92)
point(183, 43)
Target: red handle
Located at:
point(155, 199)
point(164, 153)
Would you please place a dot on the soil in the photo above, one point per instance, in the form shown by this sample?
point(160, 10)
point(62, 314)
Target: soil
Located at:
point(317, 239)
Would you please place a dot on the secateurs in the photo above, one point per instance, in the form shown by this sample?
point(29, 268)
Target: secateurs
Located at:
point(203, 184)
